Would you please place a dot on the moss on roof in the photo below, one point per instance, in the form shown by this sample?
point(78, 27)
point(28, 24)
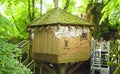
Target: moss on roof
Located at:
point(58, 15)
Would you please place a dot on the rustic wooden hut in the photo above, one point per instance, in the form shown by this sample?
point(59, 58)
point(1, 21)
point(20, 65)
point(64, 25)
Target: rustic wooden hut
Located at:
point(60, 37)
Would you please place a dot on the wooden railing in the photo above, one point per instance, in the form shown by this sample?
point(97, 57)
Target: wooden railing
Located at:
point(25, 59)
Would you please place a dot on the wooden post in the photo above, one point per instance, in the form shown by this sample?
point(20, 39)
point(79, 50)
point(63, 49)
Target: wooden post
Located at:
point(46, 66)
point(40, 69)
point(34, 66)
point(62, 68)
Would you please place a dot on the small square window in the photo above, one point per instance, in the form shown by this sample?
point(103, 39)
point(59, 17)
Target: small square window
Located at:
point(84, 35)
point(66, 44)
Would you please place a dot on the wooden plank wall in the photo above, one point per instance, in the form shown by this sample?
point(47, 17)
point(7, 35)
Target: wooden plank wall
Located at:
point(80, 53)
point(78, 50)
point(45, 42)
point(72, 42)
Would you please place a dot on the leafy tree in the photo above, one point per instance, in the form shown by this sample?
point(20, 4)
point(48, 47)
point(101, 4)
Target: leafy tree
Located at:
point(112, 12)
point(108, 23)
point(17, 13)
point(7, 29)
point(106, 18)
point(8, 52)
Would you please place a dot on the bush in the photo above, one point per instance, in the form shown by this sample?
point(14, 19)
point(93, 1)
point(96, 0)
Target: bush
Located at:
point(8, 62)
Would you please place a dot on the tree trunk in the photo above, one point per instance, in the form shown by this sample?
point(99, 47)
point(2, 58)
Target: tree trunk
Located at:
point(41, 7)
point(67, 4)
point(56, 3)
point(29, 12)
point(33, 6)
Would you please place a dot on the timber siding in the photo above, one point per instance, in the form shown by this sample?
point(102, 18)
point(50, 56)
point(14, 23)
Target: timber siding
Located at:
point(46, 47)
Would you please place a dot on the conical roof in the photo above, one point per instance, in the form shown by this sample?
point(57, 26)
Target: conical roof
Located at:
point(59, 16)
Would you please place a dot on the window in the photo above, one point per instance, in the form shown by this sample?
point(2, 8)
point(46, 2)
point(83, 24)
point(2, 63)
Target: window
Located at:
point(84, 35)
point(66, 43)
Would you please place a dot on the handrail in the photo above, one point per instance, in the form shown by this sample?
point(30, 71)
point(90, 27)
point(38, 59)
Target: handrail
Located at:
point(24, 48)
point(22, 43)
point(30, 63)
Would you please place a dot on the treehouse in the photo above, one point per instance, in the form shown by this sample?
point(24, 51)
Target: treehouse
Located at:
point(60, 37)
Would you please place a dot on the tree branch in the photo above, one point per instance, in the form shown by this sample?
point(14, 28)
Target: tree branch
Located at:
point(41, 7)
point(33, 6)
point(29, 12)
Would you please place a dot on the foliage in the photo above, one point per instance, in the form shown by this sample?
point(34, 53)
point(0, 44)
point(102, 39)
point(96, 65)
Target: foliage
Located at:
point(8, 52)
point(107, 22)
point(8, 59)
point(18, 15)
point(111, 11)
point(17, 11)
point(106, 18)
point(115, 53)
point(7, 29)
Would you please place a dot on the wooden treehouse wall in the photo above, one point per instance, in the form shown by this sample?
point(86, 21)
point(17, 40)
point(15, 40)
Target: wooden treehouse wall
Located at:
point(45, 42)
point(65, 49)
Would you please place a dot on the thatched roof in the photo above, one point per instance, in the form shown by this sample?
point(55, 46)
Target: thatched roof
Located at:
point(59, 16)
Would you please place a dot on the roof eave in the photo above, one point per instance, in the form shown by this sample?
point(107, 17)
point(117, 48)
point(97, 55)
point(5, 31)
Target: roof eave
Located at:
point(62, 24)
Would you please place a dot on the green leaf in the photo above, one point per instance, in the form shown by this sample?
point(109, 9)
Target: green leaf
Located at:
point(117, 71)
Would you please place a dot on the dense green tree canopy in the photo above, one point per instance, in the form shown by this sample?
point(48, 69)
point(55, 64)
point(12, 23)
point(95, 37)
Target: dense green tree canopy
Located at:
point(7, 29)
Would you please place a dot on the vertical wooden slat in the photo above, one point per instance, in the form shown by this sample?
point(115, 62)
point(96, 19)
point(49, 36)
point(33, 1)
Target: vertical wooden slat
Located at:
point(45, 41)
point(48, 41)
point(42, 41)
point(61, 45)
point(36, 42)
point(53, 44)
point(33, 47)
point(62, 68)
point(56, 44)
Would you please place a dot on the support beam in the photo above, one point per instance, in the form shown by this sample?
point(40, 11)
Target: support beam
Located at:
point(34, 67)
point(46, 66)
point(40, 69)
point(72, 68)
point(30, 63)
